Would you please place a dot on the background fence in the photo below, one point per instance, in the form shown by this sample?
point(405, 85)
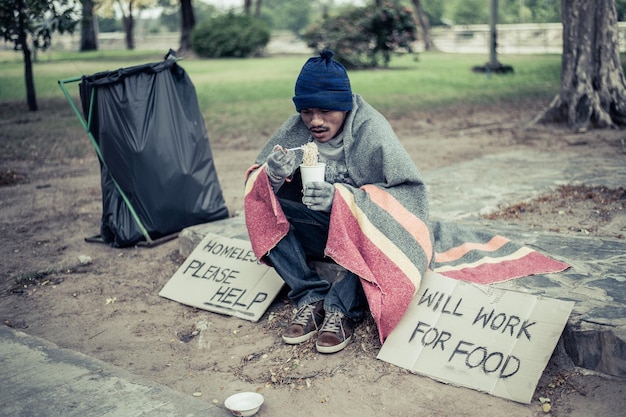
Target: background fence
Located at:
point(511, 39)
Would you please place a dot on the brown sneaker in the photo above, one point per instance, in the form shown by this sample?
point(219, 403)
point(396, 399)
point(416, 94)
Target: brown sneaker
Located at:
point(305, 323)
point(335, 334)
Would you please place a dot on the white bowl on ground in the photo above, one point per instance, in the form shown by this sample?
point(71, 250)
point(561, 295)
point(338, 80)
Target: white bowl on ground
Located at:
point(244, 403)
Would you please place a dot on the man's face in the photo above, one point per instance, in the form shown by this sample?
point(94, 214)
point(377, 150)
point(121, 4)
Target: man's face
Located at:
point(323, 124)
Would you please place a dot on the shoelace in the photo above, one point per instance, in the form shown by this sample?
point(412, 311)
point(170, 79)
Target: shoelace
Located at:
point(303, 315)
point(332, 323)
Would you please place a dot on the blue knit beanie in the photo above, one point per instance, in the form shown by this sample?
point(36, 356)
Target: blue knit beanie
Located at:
point(323, 84)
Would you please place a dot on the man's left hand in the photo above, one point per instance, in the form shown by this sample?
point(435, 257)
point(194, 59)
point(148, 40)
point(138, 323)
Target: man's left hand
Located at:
point(319, 196)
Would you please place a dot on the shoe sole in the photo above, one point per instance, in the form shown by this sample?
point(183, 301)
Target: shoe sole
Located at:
point(333, 349)
point(299, 339)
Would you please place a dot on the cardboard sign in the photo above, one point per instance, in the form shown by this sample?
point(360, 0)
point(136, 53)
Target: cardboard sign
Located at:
point(476, 336)
point(223, 275)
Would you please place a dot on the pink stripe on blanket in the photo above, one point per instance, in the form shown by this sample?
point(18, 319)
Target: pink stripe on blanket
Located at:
point(489, 273)
point(458, 252)
point(382, 279)
point(265, 220)
point(413, 224)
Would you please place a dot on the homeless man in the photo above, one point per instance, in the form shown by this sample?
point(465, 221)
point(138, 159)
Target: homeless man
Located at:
point(369, 215)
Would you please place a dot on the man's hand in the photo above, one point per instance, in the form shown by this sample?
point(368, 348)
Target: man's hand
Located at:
point(319, 196)
point(281, 163)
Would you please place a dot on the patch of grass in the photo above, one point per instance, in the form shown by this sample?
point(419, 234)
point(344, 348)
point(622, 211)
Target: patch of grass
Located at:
point(44, 277)
point(244, 101)
point(439, 80)
point(9, 177)
point(33, 277)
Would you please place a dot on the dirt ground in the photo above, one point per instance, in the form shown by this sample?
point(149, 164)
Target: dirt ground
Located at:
point(108, 307)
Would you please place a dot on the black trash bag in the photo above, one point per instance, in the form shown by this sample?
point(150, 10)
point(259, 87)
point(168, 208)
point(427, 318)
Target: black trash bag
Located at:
point(153, 143)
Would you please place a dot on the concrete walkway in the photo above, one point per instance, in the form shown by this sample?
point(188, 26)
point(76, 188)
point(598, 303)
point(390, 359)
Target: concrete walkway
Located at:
point(37, 378)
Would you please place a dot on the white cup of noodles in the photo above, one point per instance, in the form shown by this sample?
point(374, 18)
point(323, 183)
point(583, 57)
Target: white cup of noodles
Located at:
point(311, 169)
point(313, 173)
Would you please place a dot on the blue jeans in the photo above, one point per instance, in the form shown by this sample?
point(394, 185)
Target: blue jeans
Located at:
point(306, 240)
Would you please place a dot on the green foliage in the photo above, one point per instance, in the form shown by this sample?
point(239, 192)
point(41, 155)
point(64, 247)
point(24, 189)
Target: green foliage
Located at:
point(38, 19)
point(471, 12)
point(363, 37)
point(544, 11)
point(434, 10)
point(230, 35)
point(620, 6)
point(109, 24)
point(292, 15)
point(170, 17)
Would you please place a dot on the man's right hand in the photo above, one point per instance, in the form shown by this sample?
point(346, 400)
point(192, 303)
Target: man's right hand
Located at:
point(281, 163)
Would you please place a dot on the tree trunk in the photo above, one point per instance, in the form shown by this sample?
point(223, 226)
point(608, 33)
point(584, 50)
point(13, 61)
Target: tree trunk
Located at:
point(424, 25)
point(88, 38)
point(129, 38)
point(257, 9)
point(31, 97)
point(593, 89)
point(129, 27)
point(188, 21)
point(247, 5)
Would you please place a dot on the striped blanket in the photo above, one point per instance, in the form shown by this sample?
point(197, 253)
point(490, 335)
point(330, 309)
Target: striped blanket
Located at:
point(379, 229)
